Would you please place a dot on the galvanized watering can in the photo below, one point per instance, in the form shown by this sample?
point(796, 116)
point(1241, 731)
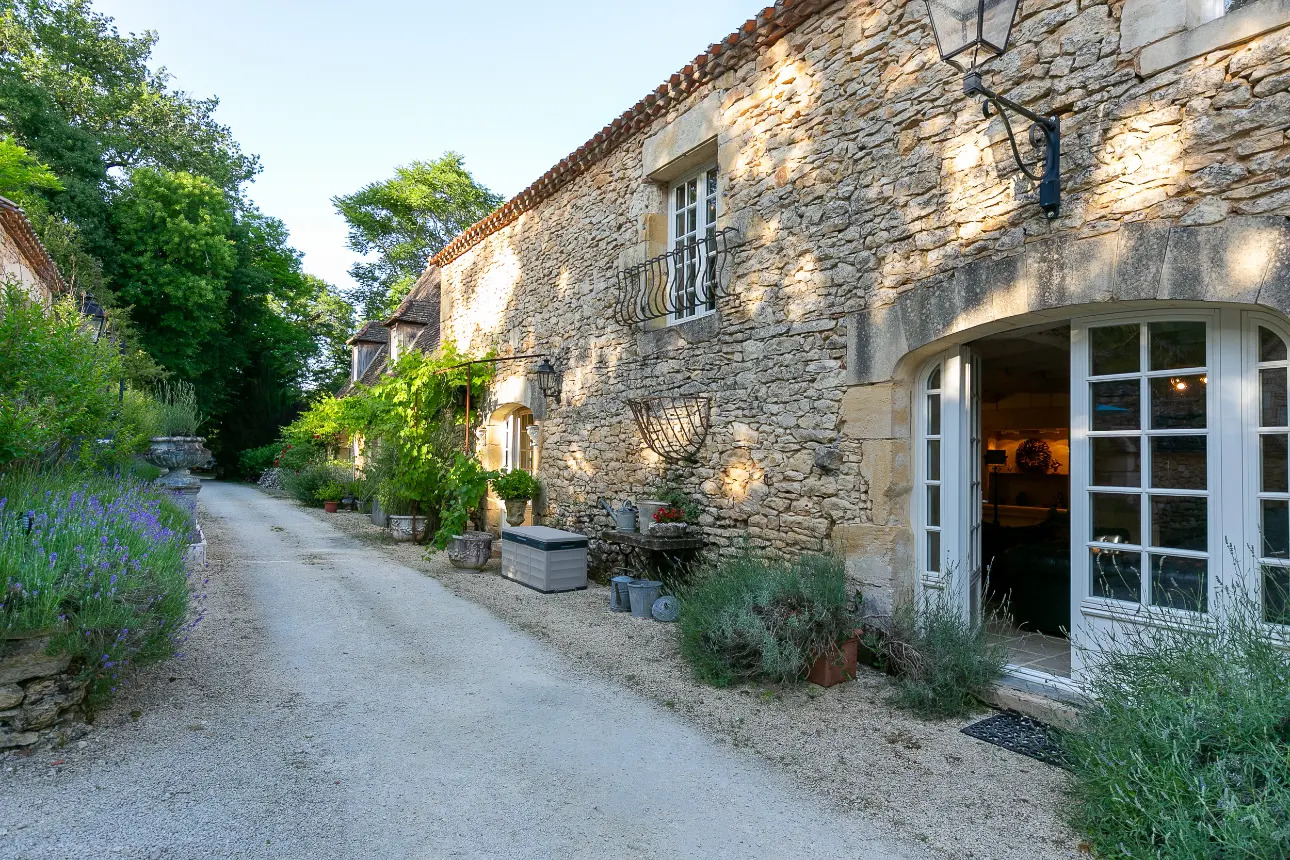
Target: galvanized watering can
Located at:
point(624, 517)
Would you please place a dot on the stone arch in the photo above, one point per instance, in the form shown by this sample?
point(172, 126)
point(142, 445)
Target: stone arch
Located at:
point(1242, 260)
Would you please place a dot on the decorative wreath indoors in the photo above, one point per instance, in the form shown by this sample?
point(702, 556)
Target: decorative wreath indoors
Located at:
point(673, 427)
point(1036, 458)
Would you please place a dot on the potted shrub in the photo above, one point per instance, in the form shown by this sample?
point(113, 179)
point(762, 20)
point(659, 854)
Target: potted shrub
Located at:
point(515, 488)
point(330, 495)
point(176, 447)
point(668, 522)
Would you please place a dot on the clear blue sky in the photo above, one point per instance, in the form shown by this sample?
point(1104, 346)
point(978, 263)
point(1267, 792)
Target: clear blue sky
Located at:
point(333, 95)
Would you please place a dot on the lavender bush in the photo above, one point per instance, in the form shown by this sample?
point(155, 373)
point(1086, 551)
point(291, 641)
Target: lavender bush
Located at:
point(98, 563)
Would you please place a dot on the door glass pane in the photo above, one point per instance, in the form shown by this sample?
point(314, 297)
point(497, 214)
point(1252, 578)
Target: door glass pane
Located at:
point(934, 381)
point(1117, 517)
point(1177, 344)
point(1272, 397)
point(1180, 522)
point(1180, 583)
point(1276, 594)
point(1114, 349)
point(1117, 574)
point(933, 460)
point(1275, 524)
point(1178, 462)
point(1275, 476)
point(1116, 405)
point(1116, 461)
point(1178, 402)
point(1271, 346)
point(934, 551)
point(933, 415)
point(934, 505)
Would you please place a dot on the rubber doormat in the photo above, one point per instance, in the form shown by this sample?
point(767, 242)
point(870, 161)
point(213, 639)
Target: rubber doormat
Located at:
point(1020, 734)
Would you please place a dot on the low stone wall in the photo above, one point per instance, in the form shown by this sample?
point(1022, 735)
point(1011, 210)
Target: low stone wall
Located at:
point(39, 693)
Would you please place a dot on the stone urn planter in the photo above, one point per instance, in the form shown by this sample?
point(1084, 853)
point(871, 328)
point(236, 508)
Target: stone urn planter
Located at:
point(174, 456)
point(401, 528)
point(471, 551)
point(515, 509)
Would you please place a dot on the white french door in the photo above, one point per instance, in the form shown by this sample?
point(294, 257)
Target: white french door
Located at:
point(1180, 472)
point(948, 478)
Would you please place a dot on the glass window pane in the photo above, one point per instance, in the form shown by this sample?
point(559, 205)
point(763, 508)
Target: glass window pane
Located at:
point(1117, 574)
point(933, 459)
point(934, 380)
point(1117, 517)
point(934, 551)
point(1276, 477)
point(1177, 344)
point(933, 415)
point(1271, 346)
point(1276, 594)
point(1178, 402)
point(1179, 462)
point(1272, 397)
point(1180, 522)
point(712, 183)
point(1117, 461)
point(1116, 405)
point(1114, 349)
point(1180, 583)
point(1275, 528)
point(680, 226)
point(933, 505)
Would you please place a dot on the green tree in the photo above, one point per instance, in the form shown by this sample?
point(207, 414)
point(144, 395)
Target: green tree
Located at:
point(173, 266)
point(405, 220)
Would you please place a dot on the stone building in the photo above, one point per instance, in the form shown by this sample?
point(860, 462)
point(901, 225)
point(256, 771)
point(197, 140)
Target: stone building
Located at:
point(812, 233)
point(23, 258)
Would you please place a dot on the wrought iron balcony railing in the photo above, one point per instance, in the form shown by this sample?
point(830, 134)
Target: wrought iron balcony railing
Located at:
point(684, 282)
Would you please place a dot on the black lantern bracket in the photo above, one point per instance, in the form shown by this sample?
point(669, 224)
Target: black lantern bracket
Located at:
point(550, 380)
point(1045, 132)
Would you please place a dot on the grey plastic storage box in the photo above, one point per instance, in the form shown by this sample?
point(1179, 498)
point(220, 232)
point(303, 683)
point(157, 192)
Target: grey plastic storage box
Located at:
point(546, 560)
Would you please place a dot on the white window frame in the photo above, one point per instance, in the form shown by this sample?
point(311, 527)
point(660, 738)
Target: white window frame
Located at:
point(692, 272)
point(517, 448)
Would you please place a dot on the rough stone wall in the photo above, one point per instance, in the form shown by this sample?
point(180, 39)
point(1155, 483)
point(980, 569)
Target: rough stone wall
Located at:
point(39, 694)
point(14, 266)
point(856, 172)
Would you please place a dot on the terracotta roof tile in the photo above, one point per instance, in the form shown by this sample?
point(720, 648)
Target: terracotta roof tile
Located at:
point(766, 28)
point(17, 226)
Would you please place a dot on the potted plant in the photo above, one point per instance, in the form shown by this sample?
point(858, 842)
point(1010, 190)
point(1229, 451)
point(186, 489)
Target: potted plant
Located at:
point(515, 488)
point(176, 447)
point(330, 495)
point(836, 665)
point(668, 522)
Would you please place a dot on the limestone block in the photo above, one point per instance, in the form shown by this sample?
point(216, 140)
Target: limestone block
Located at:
point(1222, 262)
point(867, 412)
point(28, 660)
point(667, 154)
point(877, 343)
point(1236, 27)
point(9, 740)
point(1139, 258)
point(10, 696)
point(885, 467)
point(1145, 21)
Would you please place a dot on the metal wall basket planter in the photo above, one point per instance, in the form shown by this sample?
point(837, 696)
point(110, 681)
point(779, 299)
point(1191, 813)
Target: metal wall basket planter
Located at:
point(673, 427)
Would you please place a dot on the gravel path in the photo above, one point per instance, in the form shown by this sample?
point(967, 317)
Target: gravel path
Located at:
point(338, 704)
point(965, 799)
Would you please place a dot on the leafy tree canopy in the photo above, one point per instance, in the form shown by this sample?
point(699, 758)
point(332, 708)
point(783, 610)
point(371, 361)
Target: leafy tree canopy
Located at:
point(406, 220)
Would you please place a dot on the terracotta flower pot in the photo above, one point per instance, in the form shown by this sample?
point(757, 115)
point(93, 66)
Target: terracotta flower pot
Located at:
point(834, 668)
point(331, 507)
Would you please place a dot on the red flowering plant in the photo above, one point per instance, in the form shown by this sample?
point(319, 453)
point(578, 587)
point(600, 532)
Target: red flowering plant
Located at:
point(669, 515)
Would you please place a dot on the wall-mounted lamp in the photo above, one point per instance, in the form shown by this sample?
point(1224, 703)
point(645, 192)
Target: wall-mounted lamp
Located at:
point(481, 437)
point(970, 33)
point(534, 432)
point(548, 379)
point(95, 316)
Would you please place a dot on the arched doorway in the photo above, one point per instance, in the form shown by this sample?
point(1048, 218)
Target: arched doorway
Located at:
point(1114, 469)
point(508, 440)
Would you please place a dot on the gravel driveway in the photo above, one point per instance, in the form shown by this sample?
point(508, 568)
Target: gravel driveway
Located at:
point(336, 704)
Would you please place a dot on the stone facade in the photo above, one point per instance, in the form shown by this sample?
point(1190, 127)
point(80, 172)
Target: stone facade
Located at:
point(39, 694)
point(879, 212)
point(23, 259)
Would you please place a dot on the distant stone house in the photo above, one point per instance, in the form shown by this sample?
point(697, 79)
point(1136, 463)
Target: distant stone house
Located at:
point(23, 258)
point(810, 236)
